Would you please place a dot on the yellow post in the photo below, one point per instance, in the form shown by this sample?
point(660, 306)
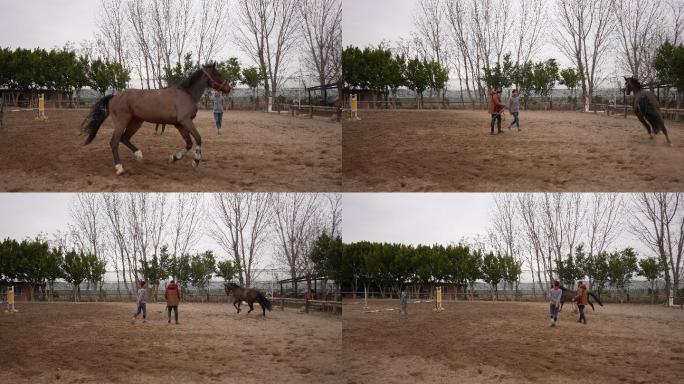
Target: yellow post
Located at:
point(10, 300)
point(438, 299)
point(354, 107)
point(41, 107)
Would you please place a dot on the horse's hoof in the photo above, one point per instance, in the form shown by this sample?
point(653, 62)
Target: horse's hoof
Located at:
point(195, 164)
point(172, 159)
point(119, 169)
point(138, 155)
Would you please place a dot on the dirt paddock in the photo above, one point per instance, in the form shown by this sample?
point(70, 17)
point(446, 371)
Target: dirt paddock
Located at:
point(485, 342)
point(555, 151)
point(96, 343)
point(257, 152)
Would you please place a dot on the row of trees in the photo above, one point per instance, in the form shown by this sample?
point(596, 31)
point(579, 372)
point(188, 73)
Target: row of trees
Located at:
point(614, 268)
point(377, 69)
point(389, 266)
point(39, 265)
point(470, 37)
point(147, 36)
point(58, 70)
point(132, 233)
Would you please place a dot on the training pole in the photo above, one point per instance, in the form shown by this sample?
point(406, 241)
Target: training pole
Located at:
point(10, 300)
point(365, 298)
point(41, 107)
point(438, 299)
point(354, 108)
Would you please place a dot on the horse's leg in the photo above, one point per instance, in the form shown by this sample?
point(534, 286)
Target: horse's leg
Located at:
point(645, 123)
point(131, 129)
point(198, 142)
point(188, 144)
point(251, 306)
point(661, 122)
point(119, 128)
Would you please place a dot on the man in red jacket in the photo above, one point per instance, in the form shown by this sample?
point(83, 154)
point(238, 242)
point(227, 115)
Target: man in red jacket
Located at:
point(495, 108)
point(173, 297)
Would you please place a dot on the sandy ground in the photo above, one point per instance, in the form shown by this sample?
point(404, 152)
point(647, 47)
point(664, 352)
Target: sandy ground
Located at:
point(555, 151)
point(95, 343)
point(257, 152)
point(484, 342)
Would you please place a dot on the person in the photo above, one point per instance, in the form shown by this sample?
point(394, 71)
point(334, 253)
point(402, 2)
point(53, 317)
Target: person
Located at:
point(218, 110)
point(514, 108)
point(495, 108)
point(555, 294)
point(582, 300)
point(403, 300)
point(172, 294)
point(142, 305)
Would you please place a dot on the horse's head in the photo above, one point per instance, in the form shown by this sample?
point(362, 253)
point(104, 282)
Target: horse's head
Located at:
point(631, 85)
point(229, 287)
point(215, 79)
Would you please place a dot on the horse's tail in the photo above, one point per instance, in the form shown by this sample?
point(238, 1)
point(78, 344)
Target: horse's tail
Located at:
point(650, 112)
point(264, 301)
point(596, 298)
point(97, 115)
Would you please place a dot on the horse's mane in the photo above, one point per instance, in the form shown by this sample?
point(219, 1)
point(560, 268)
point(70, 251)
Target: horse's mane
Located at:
point(190, 80)
point(636, 82)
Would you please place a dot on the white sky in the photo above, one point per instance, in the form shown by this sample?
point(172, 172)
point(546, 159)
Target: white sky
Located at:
point(429, 218)
point(52, 23)
point(378, 21)
point(26, 215)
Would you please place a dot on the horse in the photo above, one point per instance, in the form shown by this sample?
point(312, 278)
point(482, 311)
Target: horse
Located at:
point(646, 108)
point(176, 105)
point(569, 295)
point(249, 295)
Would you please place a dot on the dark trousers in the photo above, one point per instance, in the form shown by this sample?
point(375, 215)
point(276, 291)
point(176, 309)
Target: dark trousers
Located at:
point(175, 311)
point(496, 118)
point(516, 119)
point(218, 118)
point(554, 312)
point(142, 308)
point(582, 319)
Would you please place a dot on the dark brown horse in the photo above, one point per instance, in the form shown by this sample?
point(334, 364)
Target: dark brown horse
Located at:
point(175, 105)
point(569, 296)
point(249, 295)
point(646, 108)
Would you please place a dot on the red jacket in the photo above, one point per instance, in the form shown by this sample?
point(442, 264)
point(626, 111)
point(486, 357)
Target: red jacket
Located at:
point(172, 295)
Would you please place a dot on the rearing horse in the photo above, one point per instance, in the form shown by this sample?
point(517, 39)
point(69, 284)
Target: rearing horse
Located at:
point(646, 108)
point(174, 105)
point(249, 295)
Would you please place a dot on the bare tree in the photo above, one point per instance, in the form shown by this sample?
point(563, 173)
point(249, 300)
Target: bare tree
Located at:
point(658, 222)
point(294, 216)
point(113, 36)
point(267, 32)
point(639, 35)
point(585, 30)
point(185, 223)
point(85, 213)
point(530, 28)
point(213, 17)
point(675, 8)
point(322, 33)
point(241, 223)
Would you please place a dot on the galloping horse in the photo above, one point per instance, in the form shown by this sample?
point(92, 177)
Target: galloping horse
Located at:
point(646, 108)
point(569, 295)
point(249, 295)
point(174, 105)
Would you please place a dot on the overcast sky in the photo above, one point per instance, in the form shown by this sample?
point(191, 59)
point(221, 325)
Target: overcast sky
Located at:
point(52, 23)
point(429, 218)
point(369, 23)
point(26, 215)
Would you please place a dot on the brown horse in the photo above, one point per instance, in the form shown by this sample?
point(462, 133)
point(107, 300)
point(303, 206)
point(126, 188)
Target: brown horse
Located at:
point(569, 296)
point(249, 295)
point(646, 108)
point(175, 105)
